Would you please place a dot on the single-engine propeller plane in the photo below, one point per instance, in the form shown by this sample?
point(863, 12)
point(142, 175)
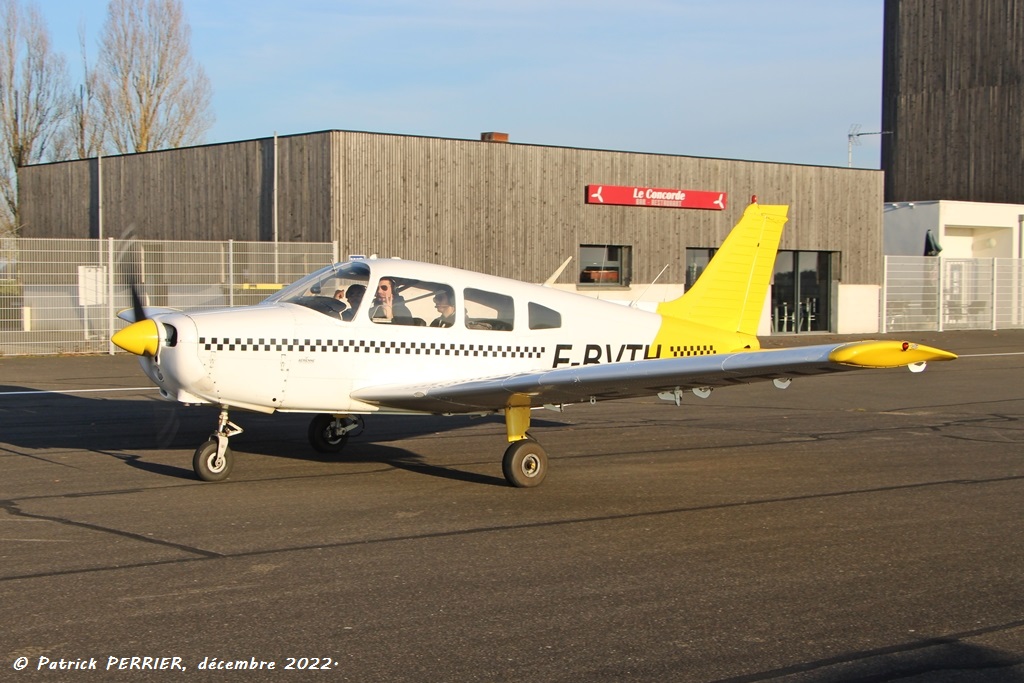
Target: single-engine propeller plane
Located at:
point(394, 336)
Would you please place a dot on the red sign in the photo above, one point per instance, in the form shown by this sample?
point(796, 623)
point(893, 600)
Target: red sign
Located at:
point(623, 195)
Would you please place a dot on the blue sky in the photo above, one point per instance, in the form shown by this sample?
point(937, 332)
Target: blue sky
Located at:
point(778, 81)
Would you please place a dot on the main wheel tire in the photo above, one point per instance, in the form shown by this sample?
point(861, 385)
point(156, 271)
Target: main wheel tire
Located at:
point(208, 466)
point(323, 437)
point(525, 464)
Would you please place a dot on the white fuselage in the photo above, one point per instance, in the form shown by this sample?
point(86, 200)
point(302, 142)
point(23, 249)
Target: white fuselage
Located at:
point(280, 356)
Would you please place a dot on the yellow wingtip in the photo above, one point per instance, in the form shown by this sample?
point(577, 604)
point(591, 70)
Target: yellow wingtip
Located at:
point(887, 354)
point(141, 338)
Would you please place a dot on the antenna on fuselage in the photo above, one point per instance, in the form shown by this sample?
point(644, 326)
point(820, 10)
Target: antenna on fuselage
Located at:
point(554, 276)
point(634, 302)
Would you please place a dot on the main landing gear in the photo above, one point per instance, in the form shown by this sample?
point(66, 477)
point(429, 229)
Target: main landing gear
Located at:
point(328, 433)
point(525, 463)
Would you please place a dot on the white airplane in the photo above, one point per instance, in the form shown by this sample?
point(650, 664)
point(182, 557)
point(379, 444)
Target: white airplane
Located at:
point(445, 341)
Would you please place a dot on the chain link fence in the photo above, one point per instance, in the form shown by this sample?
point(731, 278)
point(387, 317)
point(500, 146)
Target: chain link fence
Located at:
point(62, 296)
point(927, 293)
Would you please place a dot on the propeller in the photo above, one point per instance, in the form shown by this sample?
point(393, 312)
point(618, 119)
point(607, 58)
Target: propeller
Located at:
point(142, 336)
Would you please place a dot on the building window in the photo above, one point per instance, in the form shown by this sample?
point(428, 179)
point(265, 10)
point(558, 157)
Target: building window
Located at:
point(801, 287)
point(696, 261)
point(802, 291)
point(606, 264)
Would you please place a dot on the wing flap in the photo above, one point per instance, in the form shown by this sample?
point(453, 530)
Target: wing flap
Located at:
point(641, 378)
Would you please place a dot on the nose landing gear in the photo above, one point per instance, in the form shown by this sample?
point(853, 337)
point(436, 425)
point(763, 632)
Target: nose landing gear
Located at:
point(213, 459)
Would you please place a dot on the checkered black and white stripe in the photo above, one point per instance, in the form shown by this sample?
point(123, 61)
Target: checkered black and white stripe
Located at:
point(370, 346)
point(702, 350)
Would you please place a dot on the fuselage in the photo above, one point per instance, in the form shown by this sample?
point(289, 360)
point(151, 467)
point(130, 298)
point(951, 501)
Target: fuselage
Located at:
point(304, 350)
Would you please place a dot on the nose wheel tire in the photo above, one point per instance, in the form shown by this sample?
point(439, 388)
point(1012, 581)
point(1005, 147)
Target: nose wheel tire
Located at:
point(525, 464)
point(208, 465)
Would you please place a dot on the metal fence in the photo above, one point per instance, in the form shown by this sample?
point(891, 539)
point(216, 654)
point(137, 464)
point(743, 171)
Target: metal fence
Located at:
point(62, 296)
point(928, 293)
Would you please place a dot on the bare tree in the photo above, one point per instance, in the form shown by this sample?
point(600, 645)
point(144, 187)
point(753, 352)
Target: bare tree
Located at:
point(152, 93)
point(85, 130)
point(33, 99)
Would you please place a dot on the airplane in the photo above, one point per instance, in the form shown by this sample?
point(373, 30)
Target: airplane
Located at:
point(387, 336)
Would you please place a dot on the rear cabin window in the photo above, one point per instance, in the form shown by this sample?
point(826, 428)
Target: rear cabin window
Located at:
point(544, 318)
point(488, 310)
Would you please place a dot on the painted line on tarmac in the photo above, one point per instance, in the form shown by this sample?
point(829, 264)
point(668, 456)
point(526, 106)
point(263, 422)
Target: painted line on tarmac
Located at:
point(72, 391)
point(987, 355)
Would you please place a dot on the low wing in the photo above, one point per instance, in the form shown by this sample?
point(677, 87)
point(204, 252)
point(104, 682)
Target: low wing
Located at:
point(646, 377)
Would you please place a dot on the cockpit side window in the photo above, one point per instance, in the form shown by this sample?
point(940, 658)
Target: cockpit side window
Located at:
point(489, 310)
point(407, 301)
point(543, 318)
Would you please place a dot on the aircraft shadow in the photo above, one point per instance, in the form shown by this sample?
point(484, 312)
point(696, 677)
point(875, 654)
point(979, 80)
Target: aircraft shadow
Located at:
point(126, 429)
point(943, 658)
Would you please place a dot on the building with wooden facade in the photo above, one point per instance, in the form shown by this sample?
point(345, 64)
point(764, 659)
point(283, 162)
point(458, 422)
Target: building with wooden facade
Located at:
point(509, 209)
point(952, 100)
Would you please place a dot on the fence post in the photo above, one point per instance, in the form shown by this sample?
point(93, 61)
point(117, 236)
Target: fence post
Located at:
point(884, 302)
point(995, 276)
point(231, 273)
point(939, 292)
point(111, 349)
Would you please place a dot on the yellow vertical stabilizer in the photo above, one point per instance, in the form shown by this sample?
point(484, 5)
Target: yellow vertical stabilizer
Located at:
point(729, 295)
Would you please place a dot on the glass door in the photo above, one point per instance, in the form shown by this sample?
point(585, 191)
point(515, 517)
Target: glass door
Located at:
point(784, 294)
point(802, 291)
point(813, 291)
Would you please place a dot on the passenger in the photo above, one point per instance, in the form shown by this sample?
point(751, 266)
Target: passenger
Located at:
point(354, 295)
point(388, 304)
point(443, 304)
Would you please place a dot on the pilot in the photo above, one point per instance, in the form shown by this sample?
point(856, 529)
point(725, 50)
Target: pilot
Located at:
point(443, 304)
point(388, 303)
point(354, 295)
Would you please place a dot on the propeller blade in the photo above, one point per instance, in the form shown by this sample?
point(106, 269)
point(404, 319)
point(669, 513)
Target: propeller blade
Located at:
point(137, 309)
point(131, 268)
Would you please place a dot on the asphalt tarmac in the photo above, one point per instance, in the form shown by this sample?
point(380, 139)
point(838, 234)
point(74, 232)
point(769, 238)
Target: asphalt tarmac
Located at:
point(859, 527)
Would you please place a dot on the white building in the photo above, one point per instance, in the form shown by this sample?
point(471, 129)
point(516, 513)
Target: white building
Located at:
point(962, 229)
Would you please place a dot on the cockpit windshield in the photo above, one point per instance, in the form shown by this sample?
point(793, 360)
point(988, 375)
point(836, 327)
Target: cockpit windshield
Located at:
point(336, 290)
